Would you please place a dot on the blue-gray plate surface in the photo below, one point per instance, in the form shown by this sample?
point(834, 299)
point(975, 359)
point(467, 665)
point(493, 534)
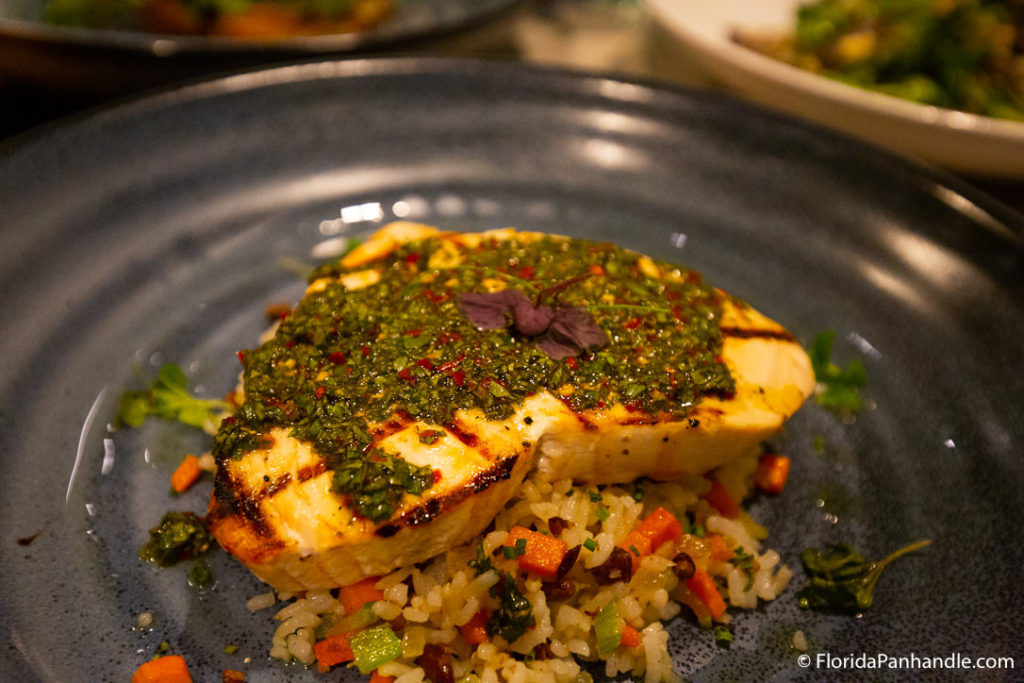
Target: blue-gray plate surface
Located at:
point(158, 231)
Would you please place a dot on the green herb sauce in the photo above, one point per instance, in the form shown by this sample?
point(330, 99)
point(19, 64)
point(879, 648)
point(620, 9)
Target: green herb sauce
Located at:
point(346, 358)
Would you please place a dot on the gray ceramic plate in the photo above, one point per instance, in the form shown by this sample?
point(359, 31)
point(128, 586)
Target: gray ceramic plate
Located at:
point(157, 231)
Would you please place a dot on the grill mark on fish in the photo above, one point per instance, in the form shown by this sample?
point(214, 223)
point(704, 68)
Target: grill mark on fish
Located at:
point(310, 471)
point(431, 509)
point(748, 333)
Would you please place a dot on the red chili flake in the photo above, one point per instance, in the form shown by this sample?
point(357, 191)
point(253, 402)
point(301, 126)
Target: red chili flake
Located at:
point(437, 476)
point(693, 277)
point(632, 407)
point(571, 362)
point(639, 350)
point(633, 323)
point(596, 269)
point(290, 344)
point(459, 377)
point(365, 350)
point(677, 313)
point(435, 297)
point(412, 258)
point(320, 391)
point(452, 364)
point(241, 357)
point(448, 337)
point(337, 357)
point(349, 370)
point(425, 364)
point(600, 404)
point(673, 295)
point(415, 332)
point(406, 374)
point(526, 272)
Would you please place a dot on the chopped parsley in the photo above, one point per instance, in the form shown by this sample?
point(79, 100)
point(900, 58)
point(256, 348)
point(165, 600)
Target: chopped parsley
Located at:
point(514, 614)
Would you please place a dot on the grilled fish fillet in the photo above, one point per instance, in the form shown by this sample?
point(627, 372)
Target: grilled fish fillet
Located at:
point(276, 508)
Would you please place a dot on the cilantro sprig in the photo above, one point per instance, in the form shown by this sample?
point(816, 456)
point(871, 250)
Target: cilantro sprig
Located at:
point(168, 398)
point(838, 387)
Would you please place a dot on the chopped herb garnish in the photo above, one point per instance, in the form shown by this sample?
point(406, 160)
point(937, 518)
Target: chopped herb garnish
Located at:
point(230, 649)
point(376, 483)
point(179, 536)
point(590, 544)
point(839, 388)
point(512, 552)
point(602, 512)
point(514, 614)
point(745, 562)
point(839, 578)
point(430, 436)
point(595, 496)
point(723, 636)
point(168, 398)
point(481, 563)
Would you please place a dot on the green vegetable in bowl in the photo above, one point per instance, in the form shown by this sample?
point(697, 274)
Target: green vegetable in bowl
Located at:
point(957, 54)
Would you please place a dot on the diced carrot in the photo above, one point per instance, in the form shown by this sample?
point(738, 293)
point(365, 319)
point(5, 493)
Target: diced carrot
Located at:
point(719, 548)
point(704, 587)
point(720, 499)
point(630, 636)
point(355, 596)
point(661, 526)
point(333, 650)
point(474, 631)
point(376, 677)
point(186, 474)
point(772, 473)
point(167, 669)
point(543, 554)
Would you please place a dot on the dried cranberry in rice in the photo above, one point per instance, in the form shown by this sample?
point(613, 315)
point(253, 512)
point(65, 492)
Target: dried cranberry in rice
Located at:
point(436, 662)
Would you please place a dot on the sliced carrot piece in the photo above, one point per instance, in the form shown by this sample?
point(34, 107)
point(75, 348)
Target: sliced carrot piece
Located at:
point(772, 473)
point(630, 636)
point(333, 650)
point(661, 526)
point(166, 669)
point(474, 631)
point(704, 587)
point(376, 677)
point(186, 474)
point(542, 555)
point(355, 596)
point(720, 499)
point(719, 548)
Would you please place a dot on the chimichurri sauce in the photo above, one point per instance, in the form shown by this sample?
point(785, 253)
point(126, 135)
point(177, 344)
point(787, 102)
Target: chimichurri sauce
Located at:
point(344, 358)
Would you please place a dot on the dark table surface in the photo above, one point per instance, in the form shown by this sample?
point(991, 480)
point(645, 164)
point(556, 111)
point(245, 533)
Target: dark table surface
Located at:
point(607, 36)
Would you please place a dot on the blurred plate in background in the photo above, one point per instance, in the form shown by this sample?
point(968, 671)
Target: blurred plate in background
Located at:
point(100, 63)
point(961, 142)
